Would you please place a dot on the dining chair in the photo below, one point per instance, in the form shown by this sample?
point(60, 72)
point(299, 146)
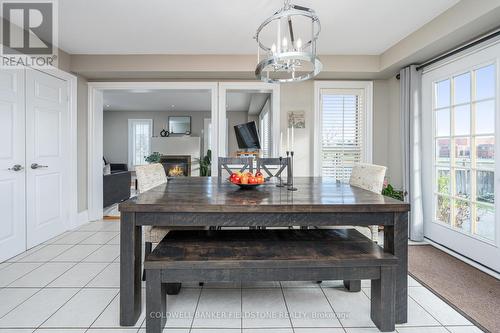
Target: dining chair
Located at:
point(233, 164)
point(369, 177)
point(148, 177)
point(274, 167)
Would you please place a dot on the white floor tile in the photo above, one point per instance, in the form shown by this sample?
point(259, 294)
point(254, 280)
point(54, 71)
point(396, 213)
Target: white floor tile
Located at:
point(4, 264)
point(421, 330)
point(227, 285)
point(13, 297)
point(46, 253)
point(214, 330)
point(267, 330)
point(76, 253)
point(308, 307)
point(42, 275)
point(261, 284)
point(219, 308)
point(82, 309)
point(463, 329)
point(14, 271)
point(319, 330)
point(417, 316)
point(25, 253)
point(109, 277)
point(439, 309)
point(115, 240)
point(34, 311)
point(100, 238)
point(74, 237)
point(299, 284)
point(79, 275)
point(362, 330)
point(352, 308)
point(264, 308)
point(413, 283)
point(17, 330)
point(59, 330)
point(110, 318)
point(111, 226)
point(181, 307)
point(92, 226)
point(115, 330)
point(106, 253)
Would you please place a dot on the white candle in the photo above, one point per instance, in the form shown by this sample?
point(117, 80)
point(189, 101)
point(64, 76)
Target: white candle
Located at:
point(288, 139)
point(293, 140)
point(282, 144)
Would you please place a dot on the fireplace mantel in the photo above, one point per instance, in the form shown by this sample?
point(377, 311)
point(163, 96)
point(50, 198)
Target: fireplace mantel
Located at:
point(179, 146)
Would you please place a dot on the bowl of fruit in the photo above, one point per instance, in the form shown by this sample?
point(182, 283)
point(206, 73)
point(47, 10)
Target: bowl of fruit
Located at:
point(247, 180)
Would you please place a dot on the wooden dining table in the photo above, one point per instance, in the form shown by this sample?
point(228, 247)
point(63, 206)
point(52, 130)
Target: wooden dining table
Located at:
point(186, 202)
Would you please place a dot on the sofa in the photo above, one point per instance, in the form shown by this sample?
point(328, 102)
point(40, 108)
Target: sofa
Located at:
point(116, 185)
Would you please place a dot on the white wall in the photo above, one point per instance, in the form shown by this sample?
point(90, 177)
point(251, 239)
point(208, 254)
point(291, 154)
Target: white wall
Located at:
point(115, 129)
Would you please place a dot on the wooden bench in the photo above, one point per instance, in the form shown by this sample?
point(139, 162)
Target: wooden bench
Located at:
point(269, 255)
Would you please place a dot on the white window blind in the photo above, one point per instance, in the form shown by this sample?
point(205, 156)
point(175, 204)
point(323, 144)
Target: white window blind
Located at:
point(140, 131)
point(342, 134)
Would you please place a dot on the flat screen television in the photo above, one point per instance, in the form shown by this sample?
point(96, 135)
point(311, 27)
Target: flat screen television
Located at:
point(247, 136)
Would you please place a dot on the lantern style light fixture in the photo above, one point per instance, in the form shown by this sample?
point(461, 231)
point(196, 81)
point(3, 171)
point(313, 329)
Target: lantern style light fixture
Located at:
point(286, 42)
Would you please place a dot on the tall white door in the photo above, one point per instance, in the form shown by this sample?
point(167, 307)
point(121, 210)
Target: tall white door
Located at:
point(46, 156)
point(12, 166)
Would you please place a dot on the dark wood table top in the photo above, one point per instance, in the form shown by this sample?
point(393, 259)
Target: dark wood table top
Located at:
point(206, 195)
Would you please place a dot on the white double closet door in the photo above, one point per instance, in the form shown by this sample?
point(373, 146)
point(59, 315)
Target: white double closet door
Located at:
point(34, 148)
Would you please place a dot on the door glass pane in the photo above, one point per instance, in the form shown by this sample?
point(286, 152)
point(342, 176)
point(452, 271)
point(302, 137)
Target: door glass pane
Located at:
point(462, 183)
point(443, 209)
point(462, 89)
point(485, 216)
point(443, 90)
point(443, 181)
point(462, 215)
point(443, 122)
point(485, 186)
point(485, 82)
point(485, 117)
point(462, 120)
point(443, 151)
point(485, 151)
point(462, 151)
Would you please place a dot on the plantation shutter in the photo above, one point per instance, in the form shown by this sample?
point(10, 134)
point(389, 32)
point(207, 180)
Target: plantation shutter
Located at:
point(342, 144)
point(265, 131)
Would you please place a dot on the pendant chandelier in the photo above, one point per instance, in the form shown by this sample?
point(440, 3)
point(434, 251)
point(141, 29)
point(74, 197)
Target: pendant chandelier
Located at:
point(287, 45)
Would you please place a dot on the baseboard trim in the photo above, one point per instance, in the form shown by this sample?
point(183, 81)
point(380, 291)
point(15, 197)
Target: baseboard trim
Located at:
point(83, 217)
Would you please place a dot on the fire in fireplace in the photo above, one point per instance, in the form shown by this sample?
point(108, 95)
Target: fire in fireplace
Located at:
point(176, 166)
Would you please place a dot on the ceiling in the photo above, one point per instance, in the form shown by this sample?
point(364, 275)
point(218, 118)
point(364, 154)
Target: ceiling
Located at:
point(367, 27)
point(179, 100)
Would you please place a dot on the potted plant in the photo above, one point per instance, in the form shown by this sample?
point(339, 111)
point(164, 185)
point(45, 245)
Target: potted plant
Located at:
point(153, 158)
point(206, 164)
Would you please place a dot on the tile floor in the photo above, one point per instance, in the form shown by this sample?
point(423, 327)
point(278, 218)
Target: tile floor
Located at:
point(70, 285)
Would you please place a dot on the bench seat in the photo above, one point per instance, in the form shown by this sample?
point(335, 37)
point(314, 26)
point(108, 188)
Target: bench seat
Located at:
point(269, 255)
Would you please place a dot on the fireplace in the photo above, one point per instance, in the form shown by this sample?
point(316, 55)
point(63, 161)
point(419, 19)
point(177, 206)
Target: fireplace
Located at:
point(176, 165)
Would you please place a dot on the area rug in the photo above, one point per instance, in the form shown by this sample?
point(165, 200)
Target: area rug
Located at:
point(474, 294)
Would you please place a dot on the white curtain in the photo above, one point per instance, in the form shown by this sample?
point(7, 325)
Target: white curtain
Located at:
point(411, 125)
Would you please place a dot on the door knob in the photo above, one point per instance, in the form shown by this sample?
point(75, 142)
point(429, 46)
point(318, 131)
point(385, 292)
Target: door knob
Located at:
point(16, 167)
point(38, 166)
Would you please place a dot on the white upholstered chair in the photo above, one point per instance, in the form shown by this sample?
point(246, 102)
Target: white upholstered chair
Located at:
point(149, 176)
point(369, 177)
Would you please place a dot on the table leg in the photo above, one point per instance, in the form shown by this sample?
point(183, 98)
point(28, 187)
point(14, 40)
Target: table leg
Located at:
point(396, 242)
point(352, 285)
point(130, 269)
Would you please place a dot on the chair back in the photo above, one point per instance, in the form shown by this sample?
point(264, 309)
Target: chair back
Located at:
point(232, 164)
point(368, 176)
point(149, 176)
point(273, 167)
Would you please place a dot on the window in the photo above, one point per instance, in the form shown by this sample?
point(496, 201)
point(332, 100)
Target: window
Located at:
point(343, 127)
point(139, 133)
point(464, 159)
point(265, 131)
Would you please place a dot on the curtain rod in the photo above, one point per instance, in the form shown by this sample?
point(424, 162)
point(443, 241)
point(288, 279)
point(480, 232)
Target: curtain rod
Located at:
point(474, 42)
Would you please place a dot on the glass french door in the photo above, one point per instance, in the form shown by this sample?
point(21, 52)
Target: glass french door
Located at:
point(460, 100)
